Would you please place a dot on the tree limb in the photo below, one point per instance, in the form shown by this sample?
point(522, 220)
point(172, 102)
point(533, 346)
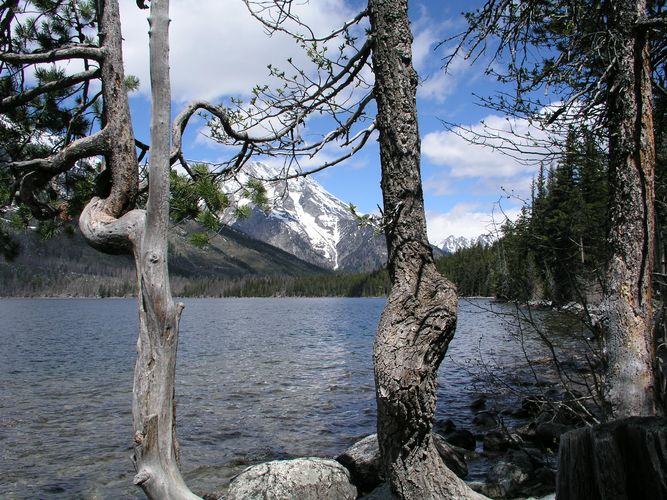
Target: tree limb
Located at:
point(86, 147)
point(74, 52)
point(16, 100)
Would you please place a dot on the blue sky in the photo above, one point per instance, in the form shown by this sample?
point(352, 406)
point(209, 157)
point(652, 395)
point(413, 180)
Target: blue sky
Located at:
point(218, 50)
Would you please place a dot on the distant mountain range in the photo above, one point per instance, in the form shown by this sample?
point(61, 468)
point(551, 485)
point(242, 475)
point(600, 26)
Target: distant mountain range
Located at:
point(311, 223)
point(306, 231)
point(453, 243)
point(66, 265)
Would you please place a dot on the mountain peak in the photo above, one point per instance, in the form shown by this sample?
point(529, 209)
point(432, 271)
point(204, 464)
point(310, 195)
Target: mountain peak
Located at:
point(453, 243)
point(309, 222)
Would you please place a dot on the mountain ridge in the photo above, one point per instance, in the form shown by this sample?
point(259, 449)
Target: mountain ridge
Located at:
point(309, 222)
point(452, 243)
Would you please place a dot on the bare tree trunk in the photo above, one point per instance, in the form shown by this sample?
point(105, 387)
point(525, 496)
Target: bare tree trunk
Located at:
point(629, 335)
point(108, 226)
point(419, 319)
point(154, 410)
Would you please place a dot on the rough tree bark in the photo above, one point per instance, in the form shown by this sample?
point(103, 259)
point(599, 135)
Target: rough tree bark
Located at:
point(629, 332)
point(419, 319)
point(625, 458)
point(108, 227)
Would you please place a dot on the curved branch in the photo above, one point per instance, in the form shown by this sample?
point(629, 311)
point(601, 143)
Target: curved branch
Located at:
point(74, 52)
point(85, 147)
point(362, 137)
point(181, 122)
point(107, 233)
point(16, 100)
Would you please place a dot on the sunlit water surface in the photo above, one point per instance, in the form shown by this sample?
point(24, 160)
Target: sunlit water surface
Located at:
point(257, 379)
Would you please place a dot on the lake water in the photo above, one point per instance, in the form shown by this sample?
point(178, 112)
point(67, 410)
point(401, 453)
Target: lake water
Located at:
point(257, 379)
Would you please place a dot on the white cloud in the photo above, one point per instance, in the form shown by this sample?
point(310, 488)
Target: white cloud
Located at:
point(217, 48)
point(435, 84)
point(467, 159)
point(467, 220)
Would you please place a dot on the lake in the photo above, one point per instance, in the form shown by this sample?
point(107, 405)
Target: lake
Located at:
point(257, 379)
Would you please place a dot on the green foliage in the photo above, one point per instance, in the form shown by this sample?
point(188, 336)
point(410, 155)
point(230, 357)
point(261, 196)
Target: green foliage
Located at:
point(256, 193)
point(81, 189)
point(132, 83)
point(184, 202)
point(469, 269)
point(9, 247)
point(5, 188)
point(53, 119)
point(198, 197)
point(557, 247)
point(20, 219)
point(200, 240)
point(209, 220)
point(243, 211)
point(48, 229)
point(375, 284)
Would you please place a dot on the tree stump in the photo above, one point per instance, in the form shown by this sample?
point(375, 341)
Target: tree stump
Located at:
point(623, 459)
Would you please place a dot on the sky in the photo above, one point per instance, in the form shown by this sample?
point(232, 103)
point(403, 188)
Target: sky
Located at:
point(219, 51)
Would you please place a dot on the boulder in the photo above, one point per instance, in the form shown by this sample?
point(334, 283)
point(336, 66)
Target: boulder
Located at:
point(362, 459)
point(462, 438)
point(548, 433)
point(527, 431)
point(453, 457)
point(484, 419)
point(507, 476)
point(487, 489)
point(541, 482)
point(510, 473)
point(382, 492)
point(478, 404)
point(302, 478)
point(444, 426)
point(500, 440)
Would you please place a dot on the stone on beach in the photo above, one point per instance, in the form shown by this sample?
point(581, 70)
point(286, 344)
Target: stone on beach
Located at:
point(301, 478)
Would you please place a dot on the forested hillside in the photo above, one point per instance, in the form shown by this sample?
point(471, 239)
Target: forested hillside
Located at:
point(65, 265)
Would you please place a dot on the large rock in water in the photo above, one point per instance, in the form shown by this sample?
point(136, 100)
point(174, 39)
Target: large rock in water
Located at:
point(621, 459)
point(362, 459)
point(298, 479)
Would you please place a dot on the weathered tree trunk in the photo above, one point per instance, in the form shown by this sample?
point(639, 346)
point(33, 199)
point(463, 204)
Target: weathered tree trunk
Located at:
point(108, 226)
point(629, 335)
point(617, 460)
point(154, 411)
point(420, 316)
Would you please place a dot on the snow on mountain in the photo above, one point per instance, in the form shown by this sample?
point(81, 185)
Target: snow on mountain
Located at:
point(453, 243)
point(311, 223)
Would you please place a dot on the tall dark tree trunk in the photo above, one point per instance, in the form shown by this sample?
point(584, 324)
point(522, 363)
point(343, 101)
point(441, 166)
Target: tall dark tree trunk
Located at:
point(419, 319)
point(629, 335)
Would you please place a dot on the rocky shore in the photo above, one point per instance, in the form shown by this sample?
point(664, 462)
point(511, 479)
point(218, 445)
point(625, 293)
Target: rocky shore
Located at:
point(508, 462)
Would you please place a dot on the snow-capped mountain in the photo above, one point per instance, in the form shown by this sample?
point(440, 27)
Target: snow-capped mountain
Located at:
point(309, 222)
point(453, 243)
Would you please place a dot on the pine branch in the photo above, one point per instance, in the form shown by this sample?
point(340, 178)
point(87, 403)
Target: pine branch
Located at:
point(61, 54)
point(85, 147)
point(18, 99)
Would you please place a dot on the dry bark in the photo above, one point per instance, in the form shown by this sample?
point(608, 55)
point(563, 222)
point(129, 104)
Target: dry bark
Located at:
point(109, 226)
point(629, 335)
point(617, 460)
point(419, 319)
